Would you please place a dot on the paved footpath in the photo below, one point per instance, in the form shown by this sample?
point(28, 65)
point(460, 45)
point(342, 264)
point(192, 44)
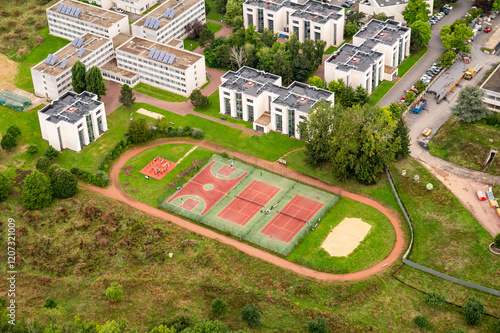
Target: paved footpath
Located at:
point(114, 191)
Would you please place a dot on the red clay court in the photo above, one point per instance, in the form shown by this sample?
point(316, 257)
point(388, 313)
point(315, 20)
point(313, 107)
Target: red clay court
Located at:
point(248, 203)
point(292, 218)
point(200, 187)
point(189, 204)
point(158, 168)
point(225, 171)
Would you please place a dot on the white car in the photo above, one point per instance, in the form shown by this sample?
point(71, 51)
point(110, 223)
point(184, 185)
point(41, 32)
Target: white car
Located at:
point(119, 10)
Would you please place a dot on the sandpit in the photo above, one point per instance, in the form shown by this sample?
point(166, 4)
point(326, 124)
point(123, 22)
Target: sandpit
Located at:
point(345, 237)
point(149, 113)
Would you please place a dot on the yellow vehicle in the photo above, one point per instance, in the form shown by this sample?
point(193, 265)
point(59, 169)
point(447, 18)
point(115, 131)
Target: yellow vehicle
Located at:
point(469, 74)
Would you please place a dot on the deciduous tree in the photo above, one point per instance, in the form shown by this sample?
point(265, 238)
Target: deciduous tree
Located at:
point(420, 34)
point(381, 16)
point(36, 191)
point(350, 29)
point(206, 36)
point(268, 37)
point(219, 307)
point(416, 10)
point(139, 130)
point(456, 40)
point(78, 77)
point(94, 82)
point(470, 106)
point(63, 183)
point(238, 57)
point(316, 81)
point(114, 292)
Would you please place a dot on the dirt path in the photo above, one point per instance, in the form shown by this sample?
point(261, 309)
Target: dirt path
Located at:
point(114, 191)
point(8, 72)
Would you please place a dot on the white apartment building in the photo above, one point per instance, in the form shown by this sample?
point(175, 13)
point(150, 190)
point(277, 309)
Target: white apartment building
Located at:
point(312, 19)
point(169, 20)
point(256, 96)
point(73, 121)
point(70, 19)
point(392, 8)
point(491, 88)
point(132, 6)
point(163, 66)
point(376, 51)
point(52, 77)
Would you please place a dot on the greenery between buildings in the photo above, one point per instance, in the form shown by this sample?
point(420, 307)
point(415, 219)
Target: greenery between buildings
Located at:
point(159, 93)
point(126, 95)
point(470, 106)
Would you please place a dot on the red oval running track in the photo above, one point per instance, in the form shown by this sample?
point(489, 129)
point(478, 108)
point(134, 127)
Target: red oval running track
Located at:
point(114, 191)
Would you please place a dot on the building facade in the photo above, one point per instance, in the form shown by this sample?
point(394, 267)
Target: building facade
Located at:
point(70, 19)
point(258, 97)
point(491, 88)
point(73, 121)
point(52, 77)
point(169, 20)
point(312, 19)
point(132, 6)
point(392, 8)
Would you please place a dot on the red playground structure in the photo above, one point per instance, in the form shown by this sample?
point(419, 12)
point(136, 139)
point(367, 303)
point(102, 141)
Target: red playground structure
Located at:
point(158, 168)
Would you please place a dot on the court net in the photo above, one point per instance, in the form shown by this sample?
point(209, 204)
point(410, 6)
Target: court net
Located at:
point(251, 201)
point(294, 217)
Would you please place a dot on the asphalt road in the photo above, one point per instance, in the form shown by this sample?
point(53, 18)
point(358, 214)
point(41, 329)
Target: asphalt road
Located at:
point(434, 50)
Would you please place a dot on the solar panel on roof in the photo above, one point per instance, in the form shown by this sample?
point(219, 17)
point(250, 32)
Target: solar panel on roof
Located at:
point(68, 9)
point(72, 12)
point(60, 7)
point(151, 53)
point(167, 12)
point(165, 58)
point(148, 19)
point(80, 53)
point(171, 60)
point(80, 41)
point(53, 60)
point(63, 64)
point(162, 54)
point(75, 41)
point(63, 8)
point(77, 13)
point(157, 24)
point(172, 13)
point(152, 23)
point(48, 59)
point(157, 54)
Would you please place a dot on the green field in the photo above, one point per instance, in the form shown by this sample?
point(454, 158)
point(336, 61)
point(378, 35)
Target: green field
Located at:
point(159, 93)
point(382, 89)
point(409, 62)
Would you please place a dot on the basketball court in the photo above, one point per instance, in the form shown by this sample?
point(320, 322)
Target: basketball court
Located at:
point(158, 168)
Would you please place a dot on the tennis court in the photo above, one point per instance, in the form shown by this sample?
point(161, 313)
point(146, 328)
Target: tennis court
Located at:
point(292, 218)
point(248, 203)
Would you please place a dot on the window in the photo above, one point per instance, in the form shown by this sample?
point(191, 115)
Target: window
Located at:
point(60, 140)
point(291, 123)
point(250, 112)
point(228, 105)
point(307, 29)
point(239, 109)
point(99, 125)
point(317, 36)
point(259, 128)
point(226, 93)
point(80, 136)
point(90, 129)
point(279, 123)
point(270, 25)
point(260, 20)
point(250, 19)
point(249, 101)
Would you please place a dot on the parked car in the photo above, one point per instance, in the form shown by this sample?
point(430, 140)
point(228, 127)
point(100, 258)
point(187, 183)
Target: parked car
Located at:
point(349, 12)
point(440, 15)
point(488, 29)
point(346, 5)
point(414, 90)
point(119, 10)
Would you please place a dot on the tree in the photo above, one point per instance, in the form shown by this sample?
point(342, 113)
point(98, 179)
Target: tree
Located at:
point(114, 292)
point(292, 46)
point(280, 64)
point(219, 307)
point(456, 40)
point(416, 10)
point(194, 28)
point(94, 82)
point(360, 96)
point(350, 29)
point(139, 130)
point(238, 57)
point(206, 36)
point(446, 59)
point(238, 23)
point(356, 18)
point(161, 124)
point(318, 325)
point(420, 34)
point(42, 164)
point(316, 81)
point(421, 321)
point(251, 315)
point(434, 299)
point(32, 150)
point(496, 241)
point(401, 133)
point(233, 8)
point(126, 95)
point(111, 327)
point(223, 56)
point(220, 6)
point(208, 326)
point(318, 53)
point(268, 37)
point(470, 106)
point(14, 130)
point(473, 311)
point(63, 183)
point(51, 153)
point(198, 99)
point(36, 191)
point(5, 187)
point(381, 16)
point(251, 55)
point(495, 7)
point(78, 77)
point(8, 141)
point(251, 34)
point(301, 69)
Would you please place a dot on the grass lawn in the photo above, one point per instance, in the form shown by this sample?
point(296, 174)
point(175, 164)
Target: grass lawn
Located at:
point(409, 62)
point(377, 244)
point(212, 14)
point(148, 190)
point(150, 9)
point(37, 54)
point(191, 44)
point(158, 93)
point(332, 48)
point(214, 27)
point(380, 92)
point(214, 109)
point(466, 144)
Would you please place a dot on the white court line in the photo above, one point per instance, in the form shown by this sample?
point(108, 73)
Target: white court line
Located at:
point(185, 155)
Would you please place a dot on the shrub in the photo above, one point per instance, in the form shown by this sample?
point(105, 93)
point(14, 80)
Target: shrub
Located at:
point(50, 303)
point(139, 130)
point(36, 191)
point(63, 183)
point(51, 153)
point(318, 325)
point(219, 307)
point(434, 299)
point(8, 141)
point(14, 130)
point(115, 292)
point(208, 326)
point(496, 241)
point(42, 164)
point(251, 315)
point(100, 179)
point(197, 133)
point(5, 187)
point(498, 326)
point(163, 329)
point(473, 311)
point(456, 330)
point(187, 128)
point(421, 322)
point(32, 150)
point(180, 131)
point(180, 323)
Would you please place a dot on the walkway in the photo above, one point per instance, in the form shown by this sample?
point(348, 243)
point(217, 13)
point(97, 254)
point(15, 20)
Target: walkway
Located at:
point(114, 191)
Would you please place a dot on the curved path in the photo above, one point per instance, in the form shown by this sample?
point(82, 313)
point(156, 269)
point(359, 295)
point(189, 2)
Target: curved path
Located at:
point(114, 191)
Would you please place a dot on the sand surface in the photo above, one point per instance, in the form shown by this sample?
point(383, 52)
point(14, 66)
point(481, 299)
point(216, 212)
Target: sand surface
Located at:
point(345, 237)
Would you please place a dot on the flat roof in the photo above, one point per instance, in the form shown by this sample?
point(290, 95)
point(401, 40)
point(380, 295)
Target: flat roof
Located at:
point(493, 82)
point(388, 32)
point(91, 43)
point(317, 11)
point(385, 3)
point(71, 107)
point(90, 13)
point(158, 14)
point(141, 47)
point(359, 58)
point(249, 80)
point(448, 78)
point(112, 66)
point(120, 39)
point(301, 96)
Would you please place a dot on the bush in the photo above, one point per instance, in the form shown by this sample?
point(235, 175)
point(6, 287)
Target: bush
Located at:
point(36, 191)
point(50, 303)
point(496, 241)
point(115, 292)
point(113, 154)
point(180, 131)
point(251, 315)
point(421, 322)
point(187, 128)
point(434, 299)
point(8, 141)
point(197, 133)
point(318, 325)
point(498, 326)
point(163, 329)
point(180, 323)
point(139, 130)
point(42, 164)
point(14, 131)
point(473, 311)
point(32, 150)
point(51, 153)
point(5, 187)
point(219, 307)
point(198, 99)
point(456, 330)
point(100, 179)
point(63, 183)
